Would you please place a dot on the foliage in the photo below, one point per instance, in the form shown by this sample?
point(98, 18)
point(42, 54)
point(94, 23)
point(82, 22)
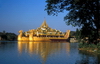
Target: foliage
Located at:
point(98, 46)
point(84, 13)
point(72, 33)
point(11, 36)
point(78, 34)
point(90, 47)
point(80, 11)
point(8, 36)
point(83, 45)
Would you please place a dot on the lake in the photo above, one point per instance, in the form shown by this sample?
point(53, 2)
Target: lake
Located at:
point(13, 52)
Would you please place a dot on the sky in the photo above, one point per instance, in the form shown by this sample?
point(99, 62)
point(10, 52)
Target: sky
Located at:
point(25, 15)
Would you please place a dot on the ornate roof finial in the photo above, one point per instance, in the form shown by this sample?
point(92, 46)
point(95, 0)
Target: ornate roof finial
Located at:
point(44, 23)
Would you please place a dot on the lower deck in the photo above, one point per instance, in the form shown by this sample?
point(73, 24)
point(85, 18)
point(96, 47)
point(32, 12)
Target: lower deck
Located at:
point(43, 39)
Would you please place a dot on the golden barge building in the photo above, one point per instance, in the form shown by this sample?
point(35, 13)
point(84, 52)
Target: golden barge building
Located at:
point(43, 33)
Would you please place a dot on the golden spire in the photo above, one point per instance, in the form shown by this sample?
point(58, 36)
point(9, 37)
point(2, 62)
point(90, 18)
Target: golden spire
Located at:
point(44, 24)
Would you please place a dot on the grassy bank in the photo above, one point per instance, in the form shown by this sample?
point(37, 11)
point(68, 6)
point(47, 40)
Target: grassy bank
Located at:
point(90, 47)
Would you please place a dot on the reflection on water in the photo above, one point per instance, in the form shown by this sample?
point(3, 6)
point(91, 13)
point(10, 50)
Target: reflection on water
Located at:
point(88, 58)
point(45, 53)
point(44, 49)
point(68, 48)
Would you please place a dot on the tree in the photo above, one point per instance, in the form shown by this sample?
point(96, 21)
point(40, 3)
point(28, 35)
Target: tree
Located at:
point(78, 33)
point(8, 36)
point(11, 36)
point(84, 13)
point(72, 33)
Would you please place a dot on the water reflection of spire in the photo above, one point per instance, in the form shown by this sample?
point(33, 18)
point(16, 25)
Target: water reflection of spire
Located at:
point(43, 49)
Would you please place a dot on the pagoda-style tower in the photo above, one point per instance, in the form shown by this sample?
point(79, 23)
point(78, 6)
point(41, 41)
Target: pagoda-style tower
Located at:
point(44, 24)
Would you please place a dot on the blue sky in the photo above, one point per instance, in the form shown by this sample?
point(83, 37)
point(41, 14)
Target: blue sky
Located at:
point(24, 15)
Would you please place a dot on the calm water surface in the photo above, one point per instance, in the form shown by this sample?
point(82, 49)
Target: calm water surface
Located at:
point(44, 53)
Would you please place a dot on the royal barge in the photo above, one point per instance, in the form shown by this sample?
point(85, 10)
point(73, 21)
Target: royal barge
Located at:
point(43, 33)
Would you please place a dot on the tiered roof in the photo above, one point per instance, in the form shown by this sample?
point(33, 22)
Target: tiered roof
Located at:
point(44, 29)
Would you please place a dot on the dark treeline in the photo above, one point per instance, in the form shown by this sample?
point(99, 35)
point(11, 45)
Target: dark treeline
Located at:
point(87, 36)
point(8, 36)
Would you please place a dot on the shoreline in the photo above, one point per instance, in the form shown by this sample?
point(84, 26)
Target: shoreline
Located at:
point(95, 51)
